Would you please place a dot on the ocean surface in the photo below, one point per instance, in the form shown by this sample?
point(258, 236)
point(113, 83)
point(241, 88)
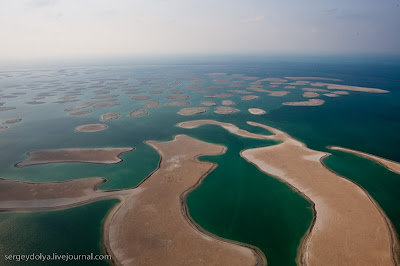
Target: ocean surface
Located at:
point(235, 201)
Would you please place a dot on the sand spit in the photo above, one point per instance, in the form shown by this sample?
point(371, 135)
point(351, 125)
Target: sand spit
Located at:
point(220, 95)
point(74, 155)
point(177, 97)
point(391, 165)
point(348, 88)
point(208, 103)
point(193, 110)
point(228, 102)
point(109, 116)
point(11, 121)
point(310, 94)
point(225, 110)
point(167, 235)
point(80, 113)
point(140, 98)
point(154, 104)
point(257, 111)
point(349, 227)
point(249, 97)
point(175, 104)
point(23, 196)
point(138, 112)
point(312, 78)
point(91, 128)
point(311, 102)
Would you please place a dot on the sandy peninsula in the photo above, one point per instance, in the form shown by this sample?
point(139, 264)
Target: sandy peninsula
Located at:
point(91, 128)
point(208, 103)
point(311, 102)
point(167, 235)
point(391, 165)
point(249, 97)
point(257, 111)
point(175, 104)
point(109, 116)
point(193, 110)
point(349, 228)
point(154, 104)
point(76, 155)
point(224, 110)
point(138, 112)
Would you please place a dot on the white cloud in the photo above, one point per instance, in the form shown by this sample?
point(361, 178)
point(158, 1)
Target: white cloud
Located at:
point(254, 19)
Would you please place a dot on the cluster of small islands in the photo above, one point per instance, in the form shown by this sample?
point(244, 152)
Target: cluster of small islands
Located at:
point(348, 228)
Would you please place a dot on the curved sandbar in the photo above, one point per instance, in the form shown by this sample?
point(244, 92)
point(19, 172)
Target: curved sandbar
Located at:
point(74, 155)
point(109, 116)
point(224, 110)
point(311, 102)
point(139, 112)
point(257, 111)
point(154, 228)
point(391, 165)
point(193, 110)
point(24, 196)
point(91, 128)
point(349, 227)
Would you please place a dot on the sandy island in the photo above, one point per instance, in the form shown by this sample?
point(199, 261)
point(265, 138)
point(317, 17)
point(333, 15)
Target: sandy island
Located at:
point(91, 128)
point(140, 98)
point(249, 97)
point(154, 104)
point(349, 228)
point(176, 104)
point(76, 155)
point(310, 94)
point(311, 102)
point(257, 111)
point(220, 95)
point(224, 110)
point(138, 112)
point(193, 110)
point(208, 103)
point(79, 113)
point(167, 234)
point(11, 121)
point(3, 128)
point(347, 87)
point(177, 97)
point(228, 102)
point(109, 116)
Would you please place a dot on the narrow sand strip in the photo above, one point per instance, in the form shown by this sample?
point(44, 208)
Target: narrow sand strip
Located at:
point(349, 228)
point(391, 165)
point(153, 227)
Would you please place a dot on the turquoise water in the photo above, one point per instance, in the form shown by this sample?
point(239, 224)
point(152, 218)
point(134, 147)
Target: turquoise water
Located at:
point(252, 208)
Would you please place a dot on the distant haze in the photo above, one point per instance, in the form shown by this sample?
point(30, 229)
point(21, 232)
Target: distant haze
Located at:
point(41, 29)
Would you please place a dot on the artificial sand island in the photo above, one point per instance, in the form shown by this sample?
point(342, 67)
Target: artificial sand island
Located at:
point(193, 110)
point(224, 110)
point(91, 128)
point(257, 111)
point(349, 228)
point(311, 102)
point(109, 116)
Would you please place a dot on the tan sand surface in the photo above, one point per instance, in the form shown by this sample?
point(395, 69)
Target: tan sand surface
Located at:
point(138, 112)
point(341, 92)
point(140, 98)
point(11, 121)
point(23, 196)
point(109, 116)
point(331, 95)
point(240, 91)
point(310, 94)
point(177, 97)
point(349, 228)
point(257, 111)
point(193, 110)
point(74, 155)
point(290, 87)
point(175, 104)
point(208, 103)
point(91, 128)
point(154, 104)
point(228, 102)
point(311, 102)
point(315, 90)
point(348, 88)
point(249, 97)
point(278, 93)
point(312, 78)
point(153, 227)
point(85, 112)
point(391, 165)
point(224, 110)
point(220, 95)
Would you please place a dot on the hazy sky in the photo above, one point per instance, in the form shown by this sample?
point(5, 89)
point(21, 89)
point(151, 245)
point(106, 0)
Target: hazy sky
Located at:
point(32, 29)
